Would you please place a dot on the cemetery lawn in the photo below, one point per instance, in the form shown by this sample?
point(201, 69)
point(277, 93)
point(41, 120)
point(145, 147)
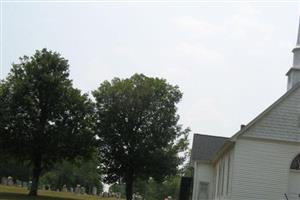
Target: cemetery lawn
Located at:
point(17, 193)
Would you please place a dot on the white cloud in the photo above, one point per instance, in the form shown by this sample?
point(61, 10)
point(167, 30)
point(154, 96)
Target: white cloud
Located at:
point(198, 25)
point(124, 51)
point(196, 51)
point(248, 22)
point(209, 115)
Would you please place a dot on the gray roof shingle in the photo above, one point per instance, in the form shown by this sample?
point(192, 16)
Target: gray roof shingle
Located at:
point(206, 146)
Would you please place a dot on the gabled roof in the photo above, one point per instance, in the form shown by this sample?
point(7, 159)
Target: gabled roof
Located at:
point(205, 147)
point(265, 112)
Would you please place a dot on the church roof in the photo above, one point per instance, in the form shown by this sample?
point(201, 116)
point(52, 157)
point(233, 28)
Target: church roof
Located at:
point(265, 112)
point(205, 147)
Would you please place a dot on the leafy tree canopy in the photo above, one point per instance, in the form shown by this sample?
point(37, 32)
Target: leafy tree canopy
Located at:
point(138, 129)
point(17, 169)
point(81, 171)
point(151, 189)
point(44, 119)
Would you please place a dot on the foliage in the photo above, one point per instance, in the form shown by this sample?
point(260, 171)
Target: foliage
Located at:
point(19, 170)
point(187, 169)
point(138, 129)
point(118, 188)
point(155, 190)
point(83, 172)
point(43, 118)
point(151, 189)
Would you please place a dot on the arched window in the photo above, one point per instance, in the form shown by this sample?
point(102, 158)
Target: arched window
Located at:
point(296, 163)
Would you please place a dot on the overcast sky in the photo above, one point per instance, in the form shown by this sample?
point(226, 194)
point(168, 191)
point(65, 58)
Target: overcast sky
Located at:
point(229, 59)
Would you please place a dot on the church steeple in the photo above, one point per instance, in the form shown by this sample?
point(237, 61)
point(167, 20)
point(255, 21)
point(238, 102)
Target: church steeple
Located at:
point(296, 50)
point(294, 72)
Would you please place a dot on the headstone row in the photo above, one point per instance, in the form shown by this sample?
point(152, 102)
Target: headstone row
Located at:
point(113, 194)
point(77, 190)
point(10, 182)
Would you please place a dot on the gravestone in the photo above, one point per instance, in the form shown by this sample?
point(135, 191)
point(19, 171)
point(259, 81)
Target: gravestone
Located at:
point(77, 189)
point(119, 195)
point(4, 181)
point(65, 189)
point(94, 192)
point(82, 190)
point(19, 183)
point(24, 184)
point(10, 181)
point(29, 185)
point(71, 189)
point(105, 194)
point(137, 197)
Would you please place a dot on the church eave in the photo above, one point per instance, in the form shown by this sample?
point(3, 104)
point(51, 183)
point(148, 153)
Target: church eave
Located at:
point(295, 68)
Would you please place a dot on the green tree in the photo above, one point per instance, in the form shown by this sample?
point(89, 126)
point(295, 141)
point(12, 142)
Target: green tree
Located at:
point(118, 188)
point(82, 171)
point(9, 166)
point(155, 190)
point(151, 189)
point(138, 129)
point(187, 169)
point(43, 118)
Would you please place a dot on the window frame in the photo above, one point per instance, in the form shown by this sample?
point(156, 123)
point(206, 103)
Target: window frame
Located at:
point(199, 188)
point(295, 159)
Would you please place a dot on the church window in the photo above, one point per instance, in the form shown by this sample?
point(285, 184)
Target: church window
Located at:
point(228, 173)
point(223, 174)
point(219, 179)
point(296, 163)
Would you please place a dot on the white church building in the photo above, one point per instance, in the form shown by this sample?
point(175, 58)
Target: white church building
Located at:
point(259, 162)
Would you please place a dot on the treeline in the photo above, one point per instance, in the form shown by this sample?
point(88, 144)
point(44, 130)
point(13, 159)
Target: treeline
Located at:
point(83, 172)
point(153, 190)
point(131, 125)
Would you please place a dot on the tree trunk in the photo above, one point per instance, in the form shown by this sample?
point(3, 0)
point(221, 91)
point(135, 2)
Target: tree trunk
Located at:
point(35, 177)
point(129, 189)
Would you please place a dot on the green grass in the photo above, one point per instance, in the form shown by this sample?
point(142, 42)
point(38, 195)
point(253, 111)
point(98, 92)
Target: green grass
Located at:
point(13, 193)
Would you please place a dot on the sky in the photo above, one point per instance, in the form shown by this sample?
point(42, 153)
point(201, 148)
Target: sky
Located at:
point(229, 59)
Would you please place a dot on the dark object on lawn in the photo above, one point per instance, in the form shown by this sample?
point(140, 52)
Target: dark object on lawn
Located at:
point(185, 188)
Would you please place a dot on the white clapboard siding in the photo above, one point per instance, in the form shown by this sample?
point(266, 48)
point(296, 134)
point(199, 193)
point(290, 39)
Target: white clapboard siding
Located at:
point(203, 172)
point(227, 157)
point(261, 169)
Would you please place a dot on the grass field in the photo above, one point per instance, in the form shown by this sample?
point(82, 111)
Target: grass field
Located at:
point(13, 193)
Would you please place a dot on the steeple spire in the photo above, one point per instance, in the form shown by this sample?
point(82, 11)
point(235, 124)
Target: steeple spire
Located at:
point(296, 50)
point(294, 72)
point(298, 38)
